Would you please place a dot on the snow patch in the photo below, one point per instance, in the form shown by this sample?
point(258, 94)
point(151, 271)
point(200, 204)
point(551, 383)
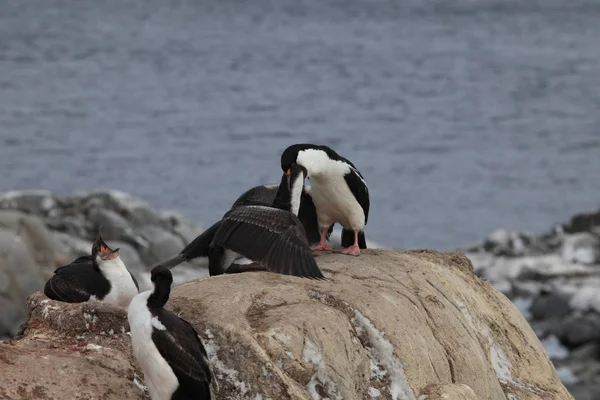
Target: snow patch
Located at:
point(381, 353)
point(523, 304)
point(219, 366)
point(554, 349)
point(566, 375)
point(374, 393)
point(586, 298)
point(311, 354)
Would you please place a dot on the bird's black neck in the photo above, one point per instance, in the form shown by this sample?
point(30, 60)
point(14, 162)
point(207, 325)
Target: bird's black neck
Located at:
point(160, 294)
point(282, 198)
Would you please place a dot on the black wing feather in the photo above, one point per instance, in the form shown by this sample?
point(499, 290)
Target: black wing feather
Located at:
point(181, 347)
point(269, 236)
point(76, 282)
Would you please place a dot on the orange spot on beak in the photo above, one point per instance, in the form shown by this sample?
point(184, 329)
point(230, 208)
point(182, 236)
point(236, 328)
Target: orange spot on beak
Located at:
point(288, 172)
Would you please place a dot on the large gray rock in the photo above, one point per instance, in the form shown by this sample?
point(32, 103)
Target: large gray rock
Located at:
point(72, 224)
point(43, 246)
point(549, 305)
point(386, 325)
point(181, 226)
point(162, 244)
point(19, 277)
point(582, 248)
point(16, 261)
point(11, 316)
point(38, 202)
point(114, 226)
point(76, 246)
point(577, 330)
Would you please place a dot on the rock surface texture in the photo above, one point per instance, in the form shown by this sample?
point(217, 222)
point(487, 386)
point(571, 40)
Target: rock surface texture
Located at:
point(415, 325)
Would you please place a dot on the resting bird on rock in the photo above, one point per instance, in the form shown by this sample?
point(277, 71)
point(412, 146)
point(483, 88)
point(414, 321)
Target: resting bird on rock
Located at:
point(269, 236)
point(102, 276)
point(338, 191)
point(167, 347)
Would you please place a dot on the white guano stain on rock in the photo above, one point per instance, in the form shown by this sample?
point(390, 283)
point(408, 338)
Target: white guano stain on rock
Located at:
point(501, 365)
point(311, 354)
point(374, 393)
point(219, 366)
point(90, 319)
point(381, 353)
point(47, 310)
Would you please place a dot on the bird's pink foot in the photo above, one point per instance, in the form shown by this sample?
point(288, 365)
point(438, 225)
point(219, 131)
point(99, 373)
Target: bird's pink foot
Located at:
point(322, 246)
point(353, 250)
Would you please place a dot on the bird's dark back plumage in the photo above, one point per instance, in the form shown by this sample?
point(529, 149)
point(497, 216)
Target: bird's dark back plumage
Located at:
point(77, 282)
point(180, 345)
point(258, 195)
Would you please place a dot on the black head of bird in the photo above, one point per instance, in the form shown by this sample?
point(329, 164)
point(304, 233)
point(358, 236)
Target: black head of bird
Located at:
point(289, 157)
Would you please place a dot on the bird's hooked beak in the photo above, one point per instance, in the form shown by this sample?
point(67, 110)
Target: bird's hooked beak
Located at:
point(102, 250)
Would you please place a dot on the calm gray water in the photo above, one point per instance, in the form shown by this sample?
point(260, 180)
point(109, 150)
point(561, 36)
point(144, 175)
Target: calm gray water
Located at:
point(463, 118)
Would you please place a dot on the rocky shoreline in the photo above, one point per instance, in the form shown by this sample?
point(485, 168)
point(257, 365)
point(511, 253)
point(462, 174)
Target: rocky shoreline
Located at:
point(552, 277)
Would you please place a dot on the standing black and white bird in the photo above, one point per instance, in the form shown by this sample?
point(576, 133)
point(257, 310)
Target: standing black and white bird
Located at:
point(338, 191)
point(167, 347)
point(102, 276)
point(268, 235)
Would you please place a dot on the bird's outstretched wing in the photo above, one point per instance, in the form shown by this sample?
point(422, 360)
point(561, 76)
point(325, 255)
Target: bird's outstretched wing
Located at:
point(270, 236)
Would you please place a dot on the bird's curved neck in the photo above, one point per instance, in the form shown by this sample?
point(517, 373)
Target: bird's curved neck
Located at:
point(297, 185)
point(282, 198)
point(288, 196)
point(160, 295)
